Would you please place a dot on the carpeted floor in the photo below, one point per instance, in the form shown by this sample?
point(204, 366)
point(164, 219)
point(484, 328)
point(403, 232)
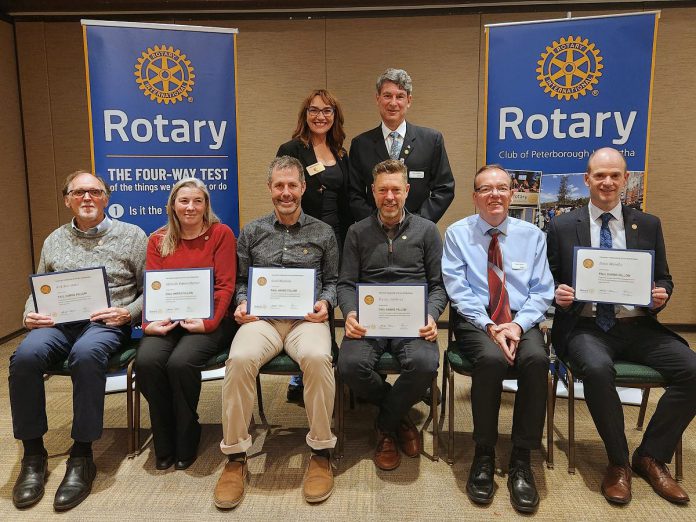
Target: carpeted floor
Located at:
point(131, 489)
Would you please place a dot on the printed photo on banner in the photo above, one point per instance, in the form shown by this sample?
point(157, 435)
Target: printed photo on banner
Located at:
point(525, 183)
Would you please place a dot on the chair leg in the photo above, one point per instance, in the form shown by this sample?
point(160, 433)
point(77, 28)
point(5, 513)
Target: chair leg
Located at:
point(552, 381)
point(450, 445)
point(433, 413)
point(445, 365)
point(679, 464)
point(643, 407)
point(338, 411)
point(259, 396)
point(571, 421)
point(342, 433)
point(129, 411)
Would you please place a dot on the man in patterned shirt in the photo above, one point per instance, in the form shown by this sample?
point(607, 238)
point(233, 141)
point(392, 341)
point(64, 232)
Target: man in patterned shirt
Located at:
point(90, 239)
point(285, 238)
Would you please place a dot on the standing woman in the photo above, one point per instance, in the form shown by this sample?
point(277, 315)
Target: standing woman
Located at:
point(318, 143)
point(172, 353)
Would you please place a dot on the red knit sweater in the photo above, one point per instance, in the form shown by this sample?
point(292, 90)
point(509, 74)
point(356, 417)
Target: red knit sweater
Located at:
point(216, 248)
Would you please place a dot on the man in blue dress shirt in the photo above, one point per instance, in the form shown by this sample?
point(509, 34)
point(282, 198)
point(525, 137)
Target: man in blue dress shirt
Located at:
point(498, 279)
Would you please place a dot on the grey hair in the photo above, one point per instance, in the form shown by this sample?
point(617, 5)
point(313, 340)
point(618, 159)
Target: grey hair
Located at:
point(397, 76)
point(285, 162)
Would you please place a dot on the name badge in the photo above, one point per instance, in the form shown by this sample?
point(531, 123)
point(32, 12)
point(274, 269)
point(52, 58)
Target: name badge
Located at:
point(316, 168)
point(516, 265)
point(416, 174)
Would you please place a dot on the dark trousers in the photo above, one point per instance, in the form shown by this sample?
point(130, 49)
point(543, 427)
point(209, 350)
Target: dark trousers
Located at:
point(490, 369)
point(88, 346)
point(169, 369)
point(419, 361)
point(592, 353)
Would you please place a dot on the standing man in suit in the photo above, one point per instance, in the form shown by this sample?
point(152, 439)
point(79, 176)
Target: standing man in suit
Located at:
point(591, 336)
point(422, 150)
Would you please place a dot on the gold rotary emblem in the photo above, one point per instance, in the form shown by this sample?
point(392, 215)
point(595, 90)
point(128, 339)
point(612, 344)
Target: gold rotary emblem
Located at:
point(588, 263)
point(164, 74)
point(570, 67)
point(45, 289)
point(156, 285)
point(369, 299)
point(262, 281)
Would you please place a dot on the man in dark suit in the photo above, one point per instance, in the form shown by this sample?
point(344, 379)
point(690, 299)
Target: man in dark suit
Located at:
point(593, 335)
point(422, 150)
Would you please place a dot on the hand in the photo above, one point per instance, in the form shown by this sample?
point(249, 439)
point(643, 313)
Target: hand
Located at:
point(193, 325)
point(34, 320)
point(321, 312)
point(429, 331)
point(564, 296)
point(160, 327)
point(353, 329)
point(659, 296)
point(112, 316)
point(241, 315)
point(507, 337)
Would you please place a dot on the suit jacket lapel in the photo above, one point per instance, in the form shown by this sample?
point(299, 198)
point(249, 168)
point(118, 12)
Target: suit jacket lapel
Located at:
point(380, 146)
point(409, 143)
point(583, 228)
point(630, 227)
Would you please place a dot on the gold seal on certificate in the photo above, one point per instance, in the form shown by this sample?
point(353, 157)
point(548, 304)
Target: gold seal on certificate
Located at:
point(286, 293)
point(614, 276)
point(178, 294)
point(392, 310)
point(70, 296)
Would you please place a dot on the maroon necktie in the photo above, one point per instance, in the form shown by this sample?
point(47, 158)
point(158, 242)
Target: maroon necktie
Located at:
point(499, 303)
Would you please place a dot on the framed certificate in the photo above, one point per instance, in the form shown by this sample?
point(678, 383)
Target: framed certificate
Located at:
point(281, 293)
point(71, 295)
point(607, 275)
point(392, 310)
point(178, 294)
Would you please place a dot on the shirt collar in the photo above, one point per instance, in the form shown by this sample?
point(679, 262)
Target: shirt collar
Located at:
point(401, 129)
point(403, 216)
point(301, 221)
point(102, 227)
point(484, 226)
point(596, 212)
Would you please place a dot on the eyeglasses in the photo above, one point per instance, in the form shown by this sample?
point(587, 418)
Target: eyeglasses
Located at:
point(487, 190)
point(326, 111)
point(80, 193)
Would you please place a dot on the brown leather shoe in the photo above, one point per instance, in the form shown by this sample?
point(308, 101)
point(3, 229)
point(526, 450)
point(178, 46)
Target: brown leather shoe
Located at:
point(657, 474)
point(229, 489)
point(318, 480)
point(409, 438)
point(387, 455)
point(616, 486)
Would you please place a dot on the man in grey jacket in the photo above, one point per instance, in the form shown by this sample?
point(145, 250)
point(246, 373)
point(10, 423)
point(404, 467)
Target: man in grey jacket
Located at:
point(391, 246)
point(91, 239)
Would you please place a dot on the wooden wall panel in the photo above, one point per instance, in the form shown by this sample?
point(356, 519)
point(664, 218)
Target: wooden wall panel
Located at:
point(15, 255)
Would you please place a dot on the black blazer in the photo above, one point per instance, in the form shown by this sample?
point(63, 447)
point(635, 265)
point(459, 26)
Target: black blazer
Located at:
point(643, 231)
point(423, 151)
point(312, 198)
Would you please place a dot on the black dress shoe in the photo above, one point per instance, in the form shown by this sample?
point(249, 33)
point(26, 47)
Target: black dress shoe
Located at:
point(77, 483)
point(182, 464)
point(523, 492)
point(163, 463)
point(480, 486)
point(427, 397)
point(29, 487)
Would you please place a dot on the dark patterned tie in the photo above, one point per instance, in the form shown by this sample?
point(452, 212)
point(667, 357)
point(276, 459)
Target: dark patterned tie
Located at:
point(395, 145)
point(605, 318)
point(499, 303)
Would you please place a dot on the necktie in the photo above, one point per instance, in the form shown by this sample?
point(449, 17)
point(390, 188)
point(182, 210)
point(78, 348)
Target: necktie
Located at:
point(605, 317)
point(499, 303)
point(395, 145)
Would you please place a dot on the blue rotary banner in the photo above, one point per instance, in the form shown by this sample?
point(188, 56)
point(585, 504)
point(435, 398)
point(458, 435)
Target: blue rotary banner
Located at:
point(557, 90)
point(162, 104)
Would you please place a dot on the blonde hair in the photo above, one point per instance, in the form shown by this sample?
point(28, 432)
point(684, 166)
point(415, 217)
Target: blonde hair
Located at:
point(171, 232)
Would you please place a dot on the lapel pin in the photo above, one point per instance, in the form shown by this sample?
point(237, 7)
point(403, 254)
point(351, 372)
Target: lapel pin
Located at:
point(304, 251)
point(403, 237)
point(634, 226)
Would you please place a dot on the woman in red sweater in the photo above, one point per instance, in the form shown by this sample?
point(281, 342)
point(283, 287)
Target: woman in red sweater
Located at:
point(172, 353)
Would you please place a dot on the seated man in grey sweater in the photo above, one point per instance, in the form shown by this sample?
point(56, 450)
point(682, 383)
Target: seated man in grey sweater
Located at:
point(391, 246)
point(91, 239)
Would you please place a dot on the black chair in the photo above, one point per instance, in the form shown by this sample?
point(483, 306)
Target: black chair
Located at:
point(628, 375)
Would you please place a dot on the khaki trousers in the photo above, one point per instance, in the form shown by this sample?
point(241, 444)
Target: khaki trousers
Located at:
point(256, 343)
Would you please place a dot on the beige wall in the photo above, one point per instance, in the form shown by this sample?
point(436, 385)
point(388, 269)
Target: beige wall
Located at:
point(281, 60)
point(15, 255)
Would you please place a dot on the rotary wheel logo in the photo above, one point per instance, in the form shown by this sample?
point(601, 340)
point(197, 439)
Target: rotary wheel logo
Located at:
point(164, 74)
point(570, 67)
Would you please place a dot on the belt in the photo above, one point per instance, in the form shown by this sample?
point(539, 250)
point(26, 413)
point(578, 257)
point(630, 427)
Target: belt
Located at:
point(619, 320)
